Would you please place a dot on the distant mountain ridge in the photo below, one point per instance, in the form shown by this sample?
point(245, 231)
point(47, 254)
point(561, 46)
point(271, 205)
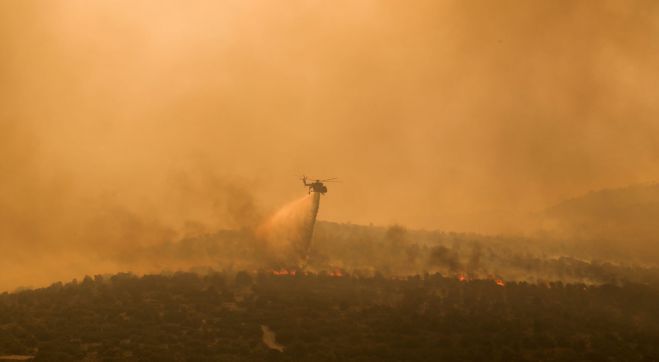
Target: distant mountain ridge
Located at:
point(622, 220)
point(601, 200)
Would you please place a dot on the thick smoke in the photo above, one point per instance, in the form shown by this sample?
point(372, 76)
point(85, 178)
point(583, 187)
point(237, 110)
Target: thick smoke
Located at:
point(465, 116)
point(133, 131)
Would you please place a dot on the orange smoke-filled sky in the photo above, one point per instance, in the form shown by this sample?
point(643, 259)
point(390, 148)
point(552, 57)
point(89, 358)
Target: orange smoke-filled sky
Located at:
point(436, 114)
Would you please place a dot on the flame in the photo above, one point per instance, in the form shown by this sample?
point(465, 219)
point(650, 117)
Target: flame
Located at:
point(498, 281)
point(283, 271)
point(337, 273)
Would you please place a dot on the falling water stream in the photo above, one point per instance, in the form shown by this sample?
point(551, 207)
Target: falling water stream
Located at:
point(289, 232)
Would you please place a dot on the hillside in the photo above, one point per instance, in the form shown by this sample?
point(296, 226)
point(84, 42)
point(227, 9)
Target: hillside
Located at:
point(321, 317)
point(621, 223)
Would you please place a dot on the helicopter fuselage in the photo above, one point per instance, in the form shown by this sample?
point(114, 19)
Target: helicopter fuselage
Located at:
point(316, 186)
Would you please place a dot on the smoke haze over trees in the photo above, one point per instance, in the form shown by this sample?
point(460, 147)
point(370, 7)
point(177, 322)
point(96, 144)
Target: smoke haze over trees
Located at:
point(126, 128)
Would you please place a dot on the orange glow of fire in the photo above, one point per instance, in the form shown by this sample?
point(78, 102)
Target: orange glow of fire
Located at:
point(500, 282)
point(462, 278)
point(283, 271)
point(336, 273)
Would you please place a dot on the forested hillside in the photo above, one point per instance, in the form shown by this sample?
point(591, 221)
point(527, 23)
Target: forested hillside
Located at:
point(323, 317)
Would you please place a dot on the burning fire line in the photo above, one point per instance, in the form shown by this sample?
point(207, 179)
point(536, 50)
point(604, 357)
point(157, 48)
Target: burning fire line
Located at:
point(284, 272)
point(337, 273)
point(498, 281)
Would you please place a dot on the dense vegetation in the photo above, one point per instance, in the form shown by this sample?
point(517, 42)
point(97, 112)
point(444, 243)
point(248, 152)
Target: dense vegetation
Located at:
point(396, 251)
point(186, 316)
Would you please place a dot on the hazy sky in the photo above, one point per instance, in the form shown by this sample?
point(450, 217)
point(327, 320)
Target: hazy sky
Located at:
point(436, 114)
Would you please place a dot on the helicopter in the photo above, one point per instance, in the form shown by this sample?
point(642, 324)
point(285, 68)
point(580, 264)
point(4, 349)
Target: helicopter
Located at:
point(317, 186)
